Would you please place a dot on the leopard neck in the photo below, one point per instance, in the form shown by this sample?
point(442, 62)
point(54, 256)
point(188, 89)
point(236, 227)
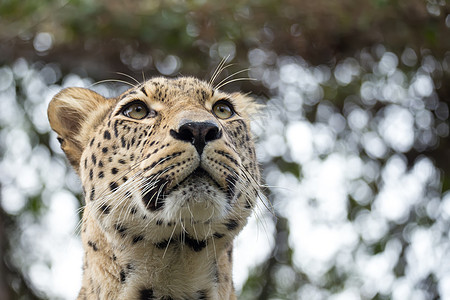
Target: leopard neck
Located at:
point(147, 271)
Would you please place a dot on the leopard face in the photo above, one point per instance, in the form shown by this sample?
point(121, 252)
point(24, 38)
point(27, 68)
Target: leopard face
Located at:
point(170, 162)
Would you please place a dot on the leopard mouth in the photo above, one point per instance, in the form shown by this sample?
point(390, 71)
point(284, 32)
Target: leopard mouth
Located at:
point(198, 173)
point(155, 195)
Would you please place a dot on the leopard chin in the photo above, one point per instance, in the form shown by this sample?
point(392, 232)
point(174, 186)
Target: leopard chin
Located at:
point(197, 199)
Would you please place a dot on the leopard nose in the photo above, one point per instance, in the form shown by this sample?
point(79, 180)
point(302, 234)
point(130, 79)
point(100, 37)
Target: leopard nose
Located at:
point(197, 133)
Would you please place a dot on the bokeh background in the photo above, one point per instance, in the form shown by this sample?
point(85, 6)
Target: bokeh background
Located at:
point(354, 139)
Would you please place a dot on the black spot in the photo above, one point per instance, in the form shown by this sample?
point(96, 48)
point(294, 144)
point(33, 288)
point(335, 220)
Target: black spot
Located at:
point(204, 96)
point(162, 245)
point(94, 159)
point(231, 224)
point(116, 132)
point(230, 254)
point(105, 209)
point(137, 238)
point(121, 229)
point(194, 244)
point(113, 186)
point(107, 135)
point(143, 91)
point(91, 174)
point(93, 245)
point(114, 170)
point(101, 174)
point(238, 195)
point(228, 156)
point(133, 210)
point(218, 235)
point(100, 164)
point(91, 197)
point(105, 149)
point(248, 204)
point(121, 161)
point(114, 257)
point(164, 159)
point(159, 222)
point(122, 140)
point(122, 276)
point(92, 142)
point(202, 295)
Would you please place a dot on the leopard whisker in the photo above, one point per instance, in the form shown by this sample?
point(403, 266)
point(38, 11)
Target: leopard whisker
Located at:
point(125, 196)
point(230, 76)
point(219, 69)
point(257, 186)
point(235, 80)
point(130, 77)
point(111, 80)
point(210, 234)
point(77, 229)
point(159, 192)
point(193, 225)
point(170, 239)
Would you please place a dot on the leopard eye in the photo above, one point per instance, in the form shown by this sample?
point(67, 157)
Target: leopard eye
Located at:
point(223, 109)
point(137, 110)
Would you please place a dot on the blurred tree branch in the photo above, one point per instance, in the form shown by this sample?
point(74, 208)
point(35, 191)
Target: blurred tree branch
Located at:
point(98, 34)
point(12, 282)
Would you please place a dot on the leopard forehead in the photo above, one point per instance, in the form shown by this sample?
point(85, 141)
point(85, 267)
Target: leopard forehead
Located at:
point(172, 90)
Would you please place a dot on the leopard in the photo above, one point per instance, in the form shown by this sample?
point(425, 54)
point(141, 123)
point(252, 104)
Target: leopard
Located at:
point(169, 177)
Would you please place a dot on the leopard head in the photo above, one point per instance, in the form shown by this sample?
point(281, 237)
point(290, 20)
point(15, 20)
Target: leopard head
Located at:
point(167, 159)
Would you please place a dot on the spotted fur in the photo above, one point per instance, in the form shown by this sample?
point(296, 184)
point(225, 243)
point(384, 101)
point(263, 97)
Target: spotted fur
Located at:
point(165, 195)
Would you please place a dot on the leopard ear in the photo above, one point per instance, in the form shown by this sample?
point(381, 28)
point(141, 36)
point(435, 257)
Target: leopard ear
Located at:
point(73, 114)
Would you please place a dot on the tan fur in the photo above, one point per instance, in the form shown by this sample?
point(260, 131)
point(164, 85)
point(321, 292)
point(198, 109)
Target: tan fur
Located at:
point(163, 204)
